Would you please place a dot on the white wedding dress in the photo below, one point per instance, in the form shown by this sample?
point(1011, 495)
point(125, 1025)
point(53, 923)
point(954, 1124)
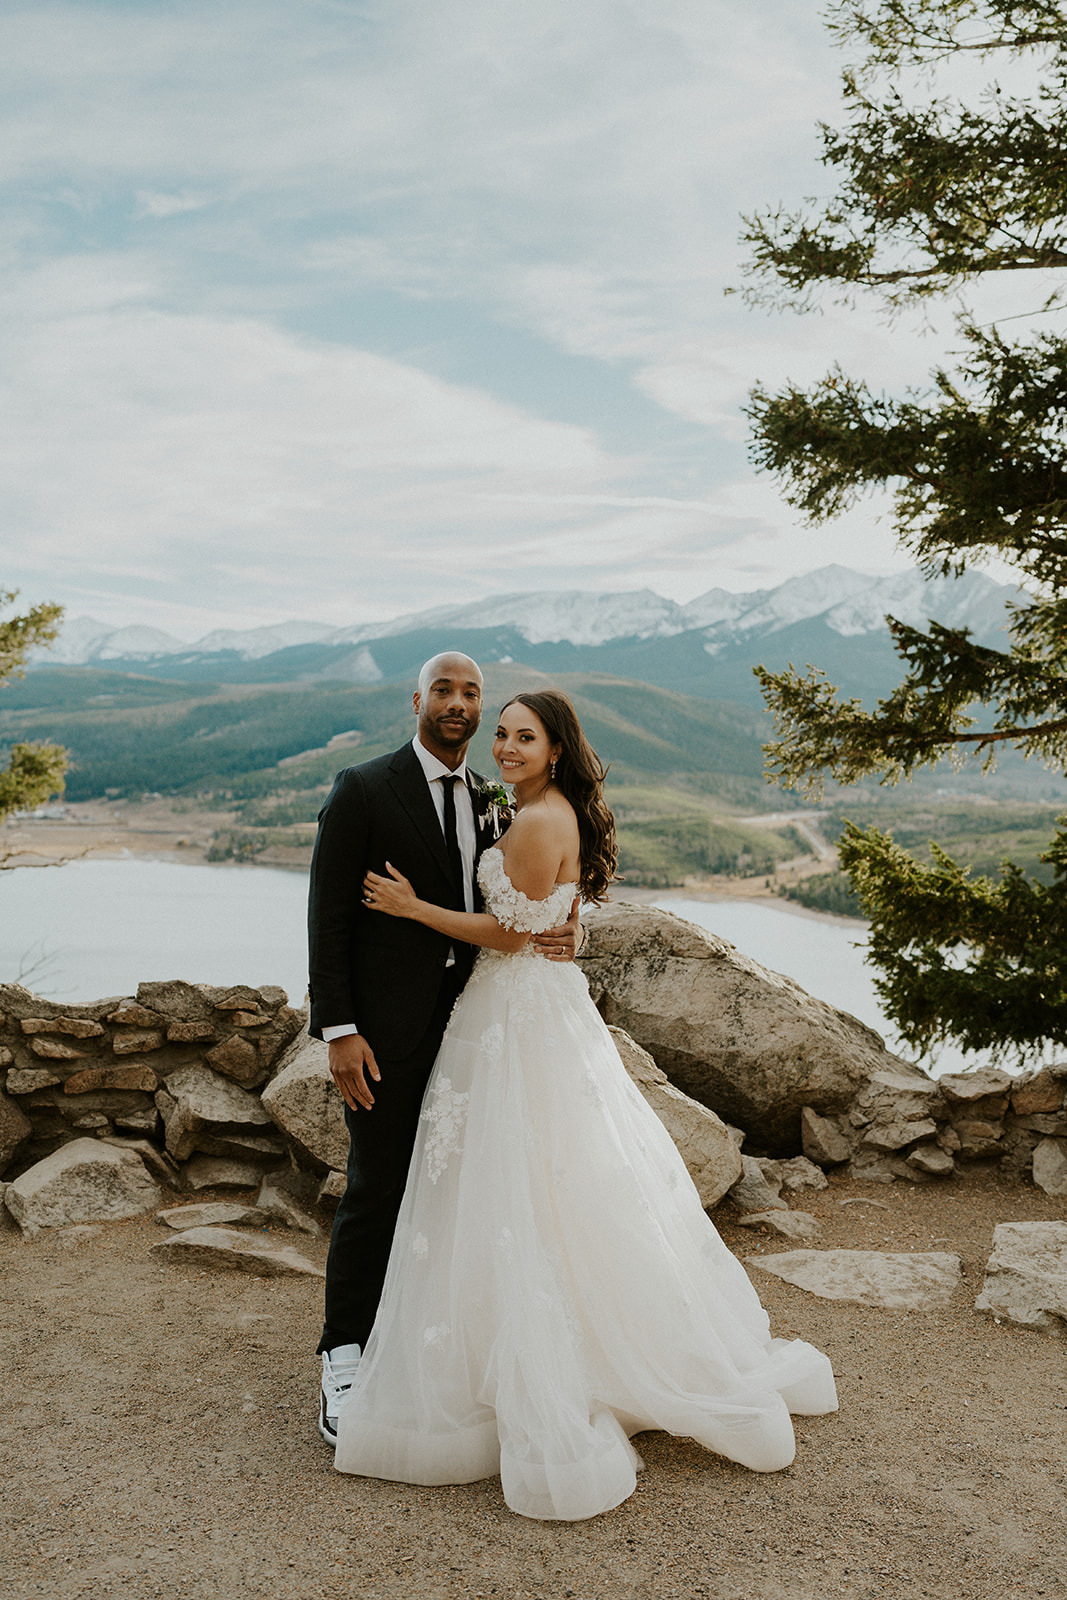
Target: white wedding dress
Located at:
point(554, 1284)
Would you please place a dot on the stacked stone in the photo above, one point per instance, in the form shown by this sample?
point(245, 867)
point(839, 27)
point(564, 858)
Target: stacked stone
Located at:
point(899, 1126)
point(170, 1073)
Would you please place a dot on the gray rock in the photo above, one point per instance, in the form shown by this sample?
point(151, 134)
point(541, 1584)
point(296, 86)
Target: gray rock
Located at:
point(745, 1041)
point(897, 1093)
point(131, 1015)
point(274, 1202)
point(895, 1135)
point(772, 1172)
point(135, 1041)
point(897, 1281)
point(789, 1224)
point(930, 1159)
point(72, 1238)
point(704, 1143)
point(74, 1027)
point(157, 1161)
point(867, 1167)
point(147, 1123)
point(800, 1173)
point(27, 1080)
point(752, 1192)
point(306, 1105)
point(15, 1129)
point(1050, 1166)
point(1026, 1276)
point(238, 1252)
point(197, 1103)
point(985, 1092)
point(1039, 1094)
point(332, 1187)
point(84, 1181)
point(56, 1050)
point(268, 1146)
point(979, 1138)
point(822, 1140)
point(208, 1214)
point(238, 1058)
point(216, 1172)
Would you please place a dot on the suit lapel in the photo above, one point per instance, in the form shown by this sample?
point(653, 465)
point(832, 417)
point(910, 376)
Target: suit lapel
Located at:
point(408, 783)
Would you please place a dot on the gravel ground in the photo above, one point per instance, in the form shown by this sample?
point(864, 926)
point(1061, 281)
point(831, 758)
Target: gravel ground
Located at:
point(159, 1440)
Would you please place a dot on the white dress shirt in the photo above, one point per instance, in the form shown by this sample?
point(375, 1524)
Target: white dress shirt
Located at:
point(466, 836)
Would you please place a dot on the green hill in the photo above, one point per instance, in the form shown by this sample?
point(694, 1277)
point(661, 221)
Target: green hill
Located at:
point(679, 766)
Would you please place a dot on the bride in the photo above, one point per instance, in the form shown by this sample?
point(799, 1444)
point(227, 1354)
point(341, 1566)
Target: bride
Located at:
point(554, 1285)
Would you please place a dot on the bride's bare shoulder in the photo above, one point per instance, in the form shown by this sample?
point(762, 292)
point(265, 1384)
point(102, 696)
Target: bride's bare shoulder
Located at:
point(548, 821)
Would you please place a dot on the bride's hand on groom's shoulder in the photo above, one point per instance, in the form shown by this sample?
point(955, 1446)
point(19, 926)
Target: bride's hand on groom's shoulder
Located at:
point(393, 895)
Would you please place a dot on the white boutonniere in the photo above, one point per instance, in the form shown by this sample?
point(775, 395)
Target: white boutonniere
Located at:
point(494, 808)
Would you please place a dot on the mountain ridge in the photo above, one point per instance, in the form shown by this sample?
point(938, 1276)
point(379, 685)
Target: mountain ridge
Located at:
point(849, 603)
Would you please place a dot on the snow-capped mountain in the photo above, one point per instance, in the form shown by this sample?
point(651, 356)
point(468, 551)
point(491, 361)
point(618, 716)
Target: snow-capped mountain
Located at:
point(83, 639)
point(253, 643)
point(850, 604)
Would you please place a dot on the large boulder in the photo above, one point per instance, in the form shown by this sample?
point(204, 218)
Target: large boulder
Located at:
point(306, 1104)
point(749, 1043)
point(85, 1181)
point(704, 1143)
point(1026, 1276)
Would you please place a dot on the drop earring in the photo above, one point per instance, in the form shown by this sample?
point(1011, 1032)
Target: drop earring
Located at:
point(552, 769)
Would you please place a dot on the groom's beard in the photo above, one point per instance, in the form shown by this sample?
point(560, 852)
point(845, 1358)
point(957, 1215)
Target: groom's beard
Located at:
point(452, 733)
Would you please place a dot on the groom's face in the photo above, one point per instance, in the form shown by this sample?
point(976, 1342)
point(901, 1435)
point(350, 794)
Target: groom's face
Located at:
point(449, 707)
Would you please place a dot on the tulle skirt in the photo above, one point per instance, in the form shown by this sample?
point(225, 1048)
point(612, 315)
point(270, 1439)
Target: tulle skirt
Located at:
point(555, 1285)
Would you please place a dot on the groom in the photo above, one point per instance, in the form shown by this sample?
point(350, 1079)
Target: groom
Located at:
point(382, 988)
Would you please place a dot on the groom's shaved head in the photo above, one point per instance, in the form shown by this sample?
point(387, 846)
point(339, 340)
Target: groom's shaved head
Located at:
point(449, 664)
point(448, 705)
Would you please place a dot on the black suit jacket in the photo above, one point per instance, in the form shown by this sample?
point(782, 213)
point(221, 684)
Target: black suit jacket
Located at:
point(382, 973)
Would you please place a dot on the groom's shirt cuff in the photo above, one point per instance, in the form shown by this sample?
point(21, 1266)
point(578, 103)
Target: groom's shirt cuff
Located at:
point(341, 1031)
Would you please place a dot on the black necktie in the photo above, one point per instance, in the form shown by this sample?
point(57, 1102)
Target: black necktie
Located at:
point(455, 860)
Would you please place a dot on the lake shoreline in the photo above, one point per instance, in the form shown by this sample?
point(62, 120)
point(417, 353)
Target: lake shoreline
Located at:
point(158, 830)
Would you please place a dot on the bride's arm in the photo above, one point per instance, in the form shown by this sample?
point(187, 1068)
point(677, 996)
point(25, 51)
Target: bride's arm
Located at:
point(535, 854)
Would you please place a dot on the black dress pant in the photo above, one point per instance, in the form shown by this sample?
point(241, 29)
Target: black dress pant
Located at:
point(381, 1142)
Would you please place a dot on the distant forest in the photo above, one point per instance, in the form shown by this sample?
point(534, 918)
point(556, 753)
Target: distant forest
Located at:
point(685, 772)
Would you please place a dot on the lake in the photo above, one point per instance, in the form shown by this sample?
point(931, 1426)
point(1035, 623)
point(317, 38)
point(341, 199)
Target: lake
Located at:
point(97, 928)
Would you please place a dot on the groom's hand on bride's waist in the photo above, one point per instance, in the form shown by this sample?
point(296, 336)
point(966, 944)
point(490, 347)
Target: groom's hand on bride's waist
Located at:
point(563, 943)
point(353, 1067)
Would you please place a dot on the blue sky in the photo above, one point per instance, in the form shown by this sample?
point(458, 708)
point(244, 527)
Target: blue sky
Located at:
point(332, 310)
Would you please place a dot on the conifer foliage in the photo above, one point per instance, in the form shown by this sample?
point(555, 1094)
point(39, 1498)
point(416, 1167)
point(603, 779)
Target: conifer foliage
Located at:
point(932, 194)
point(32, 771)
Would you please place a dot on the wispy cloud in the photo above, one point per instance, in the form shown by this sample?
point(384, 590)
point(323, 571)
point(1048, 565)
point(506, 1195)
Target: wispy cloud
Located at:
point(216, 216)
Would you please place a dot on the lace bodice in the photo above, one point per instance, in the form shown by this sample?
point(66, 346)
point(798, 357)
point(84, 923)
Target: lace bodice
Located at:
point(512, 908)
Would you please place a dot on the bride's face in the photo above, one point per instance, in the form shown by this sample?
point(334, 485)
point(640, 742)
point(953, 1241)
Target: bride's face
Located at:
point(522, 749)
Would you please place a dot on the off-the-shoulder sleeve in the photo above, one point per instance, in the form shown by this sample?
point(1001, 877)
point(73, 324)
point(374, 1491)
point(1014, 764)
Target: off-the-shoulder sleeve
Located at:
point(515, 910)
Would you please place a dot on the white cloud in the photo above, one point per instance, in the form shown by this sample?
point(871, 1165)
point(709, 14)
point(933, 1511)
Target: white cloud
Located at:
point(187, 177)
point(151, 203)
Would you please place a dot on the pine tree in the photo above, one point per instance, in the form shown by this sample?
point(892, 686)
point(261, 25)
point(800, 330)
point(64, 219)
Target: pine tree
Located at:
point(933, 194)
point(33, 772)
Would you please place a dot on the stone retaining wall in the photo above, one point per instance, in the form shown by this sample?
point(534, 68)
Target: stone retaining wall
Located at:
point(177, 1066)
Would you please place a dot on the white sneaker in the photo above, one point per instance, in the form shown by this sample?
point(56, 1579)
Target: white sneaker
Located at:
point(338, 1369)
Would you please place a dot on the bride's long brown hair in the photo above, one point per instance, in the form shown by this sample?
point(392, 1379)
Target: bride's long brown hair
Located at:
point(580, 779)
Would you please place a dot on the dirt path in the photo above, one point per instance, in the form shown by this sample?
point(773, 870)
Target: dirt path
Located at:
point(159, 1440)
